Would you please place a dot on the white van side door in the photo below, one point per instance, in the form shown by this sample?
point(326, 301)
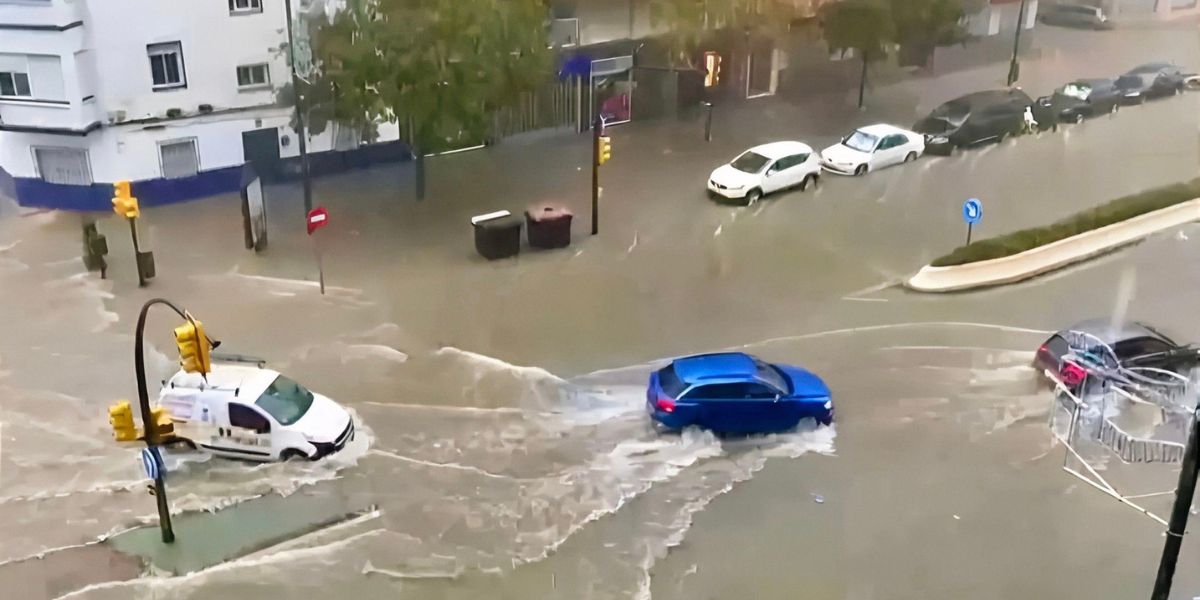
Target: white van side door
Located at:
point(249, 432)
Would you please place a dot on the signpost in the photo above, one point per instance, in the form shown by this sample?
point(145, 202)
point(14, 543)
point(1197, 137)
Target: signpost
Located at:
point(318, 218)
point(972, 212)
point(152, 463)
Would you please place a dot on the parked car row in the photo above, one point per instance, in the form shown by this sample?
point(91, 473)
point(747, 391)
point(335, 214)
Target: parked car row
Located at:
point(974, 118)
point(779, 166)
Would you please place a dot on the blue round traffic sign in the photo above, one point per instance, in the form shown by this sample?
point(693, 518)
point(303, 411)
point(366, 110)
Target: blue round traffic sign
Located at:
point(151, 462)
point(972, 211)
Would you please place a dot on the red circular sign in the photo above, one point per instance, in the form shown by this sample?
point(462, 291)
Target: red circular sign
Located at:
point(317, 218)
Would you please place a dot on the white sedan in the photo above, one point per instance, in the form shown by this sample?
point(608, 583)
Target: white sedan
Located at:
point(872, 148)
point(765, 169)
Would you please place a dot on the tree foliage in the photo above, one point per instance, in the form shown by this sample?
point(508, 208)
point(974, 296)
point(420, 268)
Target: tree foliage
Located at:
point(688, 22)
point(864, 26)
point(440, 68)
point(925, 24)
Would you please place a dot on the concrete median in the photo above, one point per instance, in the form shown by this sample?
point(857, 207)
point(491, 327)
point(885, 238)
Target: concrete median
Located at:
point(1055, 255)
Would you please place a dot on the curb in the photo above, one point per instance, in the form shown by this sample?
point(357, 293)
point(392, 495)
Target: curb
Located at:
point(1055, 255)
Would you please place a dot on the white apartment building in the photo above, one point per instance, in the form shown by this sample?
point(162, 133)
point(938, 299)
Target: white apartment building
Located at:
point(93, 91)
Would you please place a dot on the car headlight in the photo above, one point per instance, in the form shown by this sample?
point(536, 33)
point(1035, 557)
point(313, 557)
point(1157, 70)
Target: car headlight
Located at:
point(939, 139)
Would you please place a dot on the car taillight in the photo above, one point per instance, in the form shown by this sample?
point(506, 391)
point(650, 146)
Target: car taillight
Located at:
point(1072, 374)
point(665, 404)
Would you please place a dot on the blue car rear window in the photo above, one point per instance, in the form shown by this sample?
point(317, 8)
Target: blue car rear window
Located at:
point(670, 382)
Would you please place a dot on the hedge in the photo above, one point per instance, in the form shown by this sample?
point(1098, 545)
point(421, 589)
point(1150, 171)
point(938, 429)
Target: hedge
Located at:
point(1116, 211)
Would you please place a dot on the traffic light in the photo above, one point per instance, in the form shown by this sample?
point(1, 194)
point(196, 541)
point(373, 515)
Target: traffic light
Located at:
point(605, 149)
point(162, 427)
point(193, 348)
point(120, 416)
point(124, 204)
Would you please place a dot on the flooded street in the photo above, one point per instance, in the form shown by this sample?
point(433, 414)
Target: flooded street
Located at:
point(503, 449)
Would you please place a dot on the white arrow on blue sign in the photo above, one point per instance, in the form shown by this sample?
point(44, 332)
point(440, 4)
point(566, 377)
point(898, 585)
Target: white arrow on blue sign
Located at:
point(972, 211)
point(152, 463)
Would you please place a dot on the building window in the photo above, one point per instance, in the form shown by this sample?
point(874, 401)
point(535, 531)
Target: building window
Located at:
point(245, 6)
point(179, 158)
point(166, 65)
point(15, 83)
point(253, 76)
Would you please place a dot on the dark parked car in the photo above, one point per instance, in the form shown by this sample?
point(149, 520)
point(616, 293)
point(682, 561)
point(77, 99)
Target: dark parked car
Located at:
point(1122, 346)
point(1152, 80)
point(974, 118)
point(1082, 99)
point(1075, 15)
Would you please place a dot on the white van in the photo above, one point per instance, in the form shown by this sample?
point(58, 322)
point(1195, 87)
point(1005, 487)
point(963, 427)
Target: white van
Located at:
point(254, 413)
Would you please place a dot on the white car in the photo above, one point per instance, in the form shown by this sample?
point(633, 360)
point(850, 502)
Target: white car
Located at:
point(765, 169)
point(872, 148)
point(254, 413)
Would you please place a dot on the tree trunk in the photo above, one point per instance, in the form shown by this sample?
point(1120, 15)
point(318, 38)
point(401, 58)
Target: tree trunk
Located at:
point(862, 82)
point(420, 172)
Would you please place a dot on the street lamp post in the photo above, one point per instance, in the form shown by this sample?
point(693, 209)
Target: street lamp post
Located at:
point(302, 132)
point(1014, 67)
point(1184, 493)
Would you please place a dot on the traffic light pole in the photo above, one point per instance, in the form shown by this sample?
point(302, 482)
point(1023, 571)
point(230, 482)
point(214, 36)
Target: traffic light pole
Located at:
point(137, 250)
point(1014, 67)
point(597, 126)
point(1184, 494)
point(139, 362)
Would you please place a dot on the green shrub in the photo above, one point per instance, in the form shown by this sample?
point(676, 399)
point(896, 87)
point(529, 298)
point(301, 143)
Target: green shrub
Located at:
point(1116, 211)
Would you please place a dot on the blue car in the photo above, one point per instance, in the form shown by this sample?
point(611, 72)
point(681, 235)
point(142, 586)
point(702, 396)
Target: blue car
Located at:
point(736, 393)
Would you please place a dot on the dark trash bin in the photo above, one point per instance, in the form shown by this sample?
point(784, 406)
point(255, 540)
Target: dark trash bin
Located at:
point(497, 235)
point(549, 226)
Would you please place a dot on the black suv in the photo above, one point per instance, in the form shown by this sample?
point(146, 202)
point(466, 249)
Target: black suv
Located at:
point(974, 118)
point(1152, 80)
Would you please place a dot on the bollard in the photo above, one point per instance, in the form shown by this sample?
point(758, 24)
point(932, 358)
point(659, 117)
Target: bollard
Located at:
point(708, 121)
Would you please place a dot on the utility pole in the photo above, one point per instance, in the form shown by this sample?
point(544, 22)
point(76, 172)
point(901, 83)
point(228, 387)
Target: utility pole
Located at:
point(1184, 494)
point(1014, 67)
point(302, 134)
point(597, 127)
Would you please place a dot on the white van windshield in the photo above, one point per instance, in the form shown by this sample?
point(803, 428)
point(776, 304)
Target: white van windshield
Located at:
point(285, 400)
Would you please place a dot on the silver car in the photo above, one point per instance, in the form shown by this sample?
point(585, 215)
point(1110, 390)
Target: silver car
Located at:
point(1075, 15)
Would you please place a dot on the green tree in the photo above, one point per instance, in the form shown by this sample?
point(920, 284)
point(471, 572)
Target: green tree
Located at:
point(922, 25)
point(688, 22)
point(439, 68)
point(864, 26)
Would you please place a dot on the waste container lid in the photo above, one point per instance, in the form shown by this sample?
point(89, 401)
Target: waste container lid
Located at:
point(479, 219)
point(547, 212)
point(506, 221)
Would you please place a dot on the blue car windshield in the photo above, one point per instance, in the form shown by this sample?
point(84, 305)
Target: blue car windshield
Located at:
point(772, 376)
point(670, 383)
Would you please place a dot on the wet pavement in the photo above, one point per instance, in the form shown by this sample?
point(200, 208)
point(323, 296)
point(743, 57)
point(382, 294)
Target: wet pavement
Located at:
point(503, 439)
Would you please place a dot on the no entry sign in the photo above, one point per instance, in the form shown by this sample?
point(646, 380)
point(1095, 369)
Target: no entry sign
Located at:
point(317, 218)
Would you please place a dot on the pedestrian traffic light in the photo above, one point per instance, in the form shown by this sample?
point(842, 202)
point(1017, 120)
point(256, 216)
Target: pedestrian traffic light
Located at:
point(162, 428)
point(120, 416)
point(605, 149)
point(193, 348)
point(124, 204)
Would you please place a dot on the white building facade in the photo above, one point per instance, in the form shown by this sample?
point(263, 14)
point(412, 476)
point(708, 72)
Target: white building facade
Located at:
point(95, 91)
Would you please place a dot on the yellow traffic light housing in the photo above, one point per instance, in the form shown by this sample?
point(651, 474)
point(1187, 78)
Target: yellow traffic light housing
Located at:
point(193, 348)
point(605, 149)
point(124, 204)
point(163, 428)
point(120, 416)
